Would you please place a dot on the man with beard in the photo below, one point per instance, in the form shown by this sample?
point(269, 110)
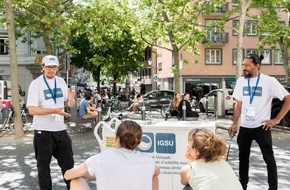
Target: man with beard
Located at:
point(47, 95)
point(254, 93)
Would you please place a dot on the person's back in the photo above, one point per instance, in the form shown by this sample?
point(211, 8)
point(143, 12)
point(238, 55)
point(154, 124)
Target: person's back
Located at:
point(83, 107)
point(122, 169)
point(216, 175)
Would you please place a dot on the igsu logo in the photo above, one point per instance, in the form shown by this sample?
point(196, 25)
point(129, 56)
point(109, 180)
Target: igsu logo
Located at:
point(165, 143)
point(147, 143)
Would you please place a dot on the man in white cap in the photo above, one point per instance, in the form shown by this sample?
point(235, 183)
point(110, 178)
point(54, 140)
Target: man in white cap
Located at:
point(47, 95)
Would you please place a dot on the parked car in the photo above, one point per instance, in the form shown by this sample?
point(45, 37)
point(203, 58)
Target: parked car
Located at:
point(157, 98)
point(276, 107)
point(210, 97)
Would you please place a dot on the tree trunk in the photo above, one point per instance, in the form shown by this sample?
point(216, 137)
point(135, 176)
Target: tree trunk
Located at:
point(244, 4)
point(14, 71)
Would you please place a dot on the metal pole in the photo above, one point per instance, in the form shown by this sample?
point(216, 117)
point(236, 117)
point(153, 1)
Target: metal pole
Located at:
point(183, 110)
point(99, 112)
point(206, 106)
point(143, 111)
point(216, 107)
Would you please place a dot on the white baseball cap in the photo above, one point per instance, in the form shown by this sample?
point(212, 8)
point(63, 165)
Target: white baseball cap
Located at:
point(50, 60)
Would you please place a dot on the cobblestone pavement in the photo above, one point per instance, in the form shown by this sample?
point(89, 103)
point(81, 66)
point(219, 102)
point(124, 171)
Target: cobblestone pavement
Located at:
point(18, 166)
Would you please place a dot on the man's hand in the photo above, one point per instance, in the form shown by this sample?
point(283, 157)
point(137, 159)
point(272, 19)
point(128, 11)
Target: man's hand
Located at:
point(61, 111)
point(70, 95)
point(269, 124)
point(232, 130)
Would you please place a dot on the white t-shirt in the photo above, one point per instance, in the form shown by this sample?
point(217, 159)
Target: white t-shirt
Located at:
point(267, 88)
point(122, 169)
point(216, 175)
point(39, 95)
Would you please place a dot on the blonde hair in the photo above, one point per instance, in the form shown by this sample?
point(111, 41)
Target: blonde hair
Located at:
point(130, 134)
point(209, 145)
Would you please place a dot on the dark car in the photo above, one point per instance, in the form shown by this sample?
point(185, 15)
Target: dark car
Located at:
point(276, 107)
point(157, 98)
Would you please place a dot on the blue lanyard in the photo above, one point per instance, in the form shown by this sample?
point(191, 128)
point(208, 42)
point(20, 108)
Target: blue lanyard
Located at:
point(249, 89)
point(54, 90)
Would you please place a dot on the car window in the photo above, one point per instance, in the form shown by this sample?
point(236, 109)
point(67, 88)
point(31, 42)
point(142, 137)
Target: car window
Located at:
point(231, 92)
point(166, 95)
point(155, 94)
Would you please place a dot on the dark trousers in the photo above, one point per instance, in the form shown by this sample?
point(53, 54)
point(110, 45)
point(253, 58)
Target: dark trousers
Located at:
point(47, 144)
point(264, 140)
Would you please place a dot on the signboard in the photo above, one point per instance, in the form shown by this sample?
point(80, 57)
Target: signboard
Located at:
point(155, 78)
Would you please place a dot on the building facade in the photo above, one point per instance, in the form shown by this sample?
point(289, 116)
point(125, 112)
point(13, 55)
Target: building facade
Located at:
point(218, 54)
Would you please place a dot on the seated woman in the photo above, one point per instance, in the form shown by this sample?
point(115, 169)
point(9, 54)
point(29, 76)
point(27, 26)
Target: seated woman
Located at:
point(208, 169)
point(86, 111)
point(121, 168)
point(137, 104)
point(188, 111)
point(175, 104)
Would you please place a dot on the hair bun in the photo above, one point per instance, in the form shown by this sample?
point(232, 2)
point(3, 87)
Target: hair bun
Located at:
point(261, 57)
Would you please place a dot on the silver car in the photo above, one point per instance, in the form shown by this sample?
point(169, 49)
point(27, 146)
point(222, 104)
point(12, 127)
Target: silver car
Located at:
point(210, 97)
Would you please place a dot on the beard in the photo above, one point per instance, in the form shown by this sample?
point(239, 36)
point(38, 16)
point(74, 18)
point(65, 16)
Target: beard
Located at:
point(247, 74)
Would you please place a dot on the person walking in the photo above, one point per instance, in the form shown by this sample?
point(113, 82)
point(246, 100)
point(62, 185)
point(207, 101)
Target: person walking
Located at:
point(122, 168)
point(47, 95)
point(208, 169)
point(254, 92)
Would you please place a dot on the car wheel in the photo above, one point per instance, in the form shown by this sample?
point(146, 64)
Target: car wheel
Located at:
point(201, 108)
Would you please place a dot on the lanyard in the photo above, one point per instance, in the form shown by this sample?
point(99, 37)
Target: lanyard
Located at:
point(54, 90)
point(249, 89)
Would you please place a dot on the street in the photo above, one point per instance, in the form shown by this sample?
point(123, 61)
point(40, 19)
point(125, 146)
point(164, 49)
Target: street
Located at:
point(18, 165)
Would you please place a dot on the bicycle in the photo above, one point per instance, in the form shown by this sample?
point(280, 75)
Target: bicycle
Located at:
point(8, 123)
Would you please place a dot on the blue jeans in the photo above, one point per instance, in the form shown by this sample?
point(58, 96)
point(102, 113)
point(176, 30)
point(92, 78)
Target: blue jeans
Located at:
point(47, 144)
point(264, 140)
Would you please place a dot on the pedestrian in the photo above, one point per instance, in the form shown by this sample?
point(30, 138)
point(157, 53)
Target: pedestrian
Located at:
point(47, 95)
point(208, 169)
point(86, 110)
point(253, 93)
point(188, 110)
point(137, 104)
point(121, 168)
point(175, 104)
point(142, 89)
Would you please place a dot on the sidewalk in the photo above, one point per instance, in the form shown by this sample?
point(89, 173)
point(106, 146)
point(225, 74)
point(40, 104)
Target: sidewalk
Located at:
point(18, 165)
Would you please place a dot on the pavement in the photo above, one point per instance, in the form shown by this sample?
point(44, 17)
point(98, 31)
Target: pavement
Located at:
point(18, 166)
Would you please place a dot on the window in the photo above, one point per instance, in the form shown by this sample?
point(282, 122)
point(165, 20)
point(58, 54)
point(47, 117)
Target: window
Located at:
point(278, 57)
point(267, 57)
point(214, 34)
point(252, 51)
point(3, 46)
point(159, 66)
point(235, 55)
point(213, 56)
point(235, 27)
point(251, 28)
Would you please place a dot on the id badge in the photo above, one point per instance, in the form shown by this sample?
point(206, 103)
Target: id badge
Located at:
point(250, 115)
point(56, 117)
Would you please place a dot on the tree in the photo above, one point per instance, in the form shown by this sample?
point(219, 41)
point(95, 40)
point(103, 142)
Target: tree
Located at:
point(175, 23)
point(273, 31)
point(13, 65)
point(56, 21)
point(108, 42)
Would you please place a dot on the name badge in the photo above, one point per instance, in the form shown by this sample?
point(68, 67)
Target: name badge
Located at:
point(250, 114)
point(56, 117)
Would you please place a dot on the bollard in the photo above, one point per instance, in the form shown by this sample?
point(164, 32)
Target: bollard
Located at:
point(183, 111)
point(99, 113)
point(215, 106)
point(143, 111)
point(166, 116)
point(206, 106)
